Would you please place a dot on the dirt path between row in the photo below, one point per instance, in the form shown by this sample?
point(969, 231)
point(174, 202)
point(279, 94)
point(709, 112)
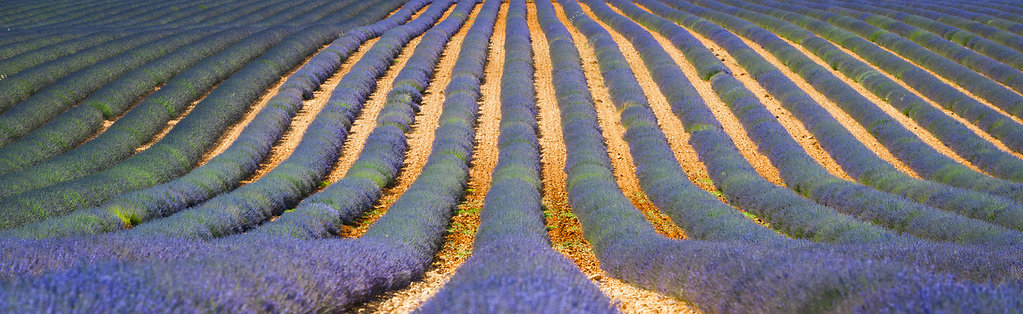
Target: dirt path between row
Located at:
point(957, 86)
point(950, 113)
point(794, 129)
point(110, 122)
point(861, 133)
point(462, 231)
point(170, 124)
point(669, 122)
point(791, 124)
point(232, 132)
point(563, 226)
point(420, 138)
point(894, 113)
point(366, 120)
point(285, 145)
point(731, 125)
point(614, 131)
point(672, 127)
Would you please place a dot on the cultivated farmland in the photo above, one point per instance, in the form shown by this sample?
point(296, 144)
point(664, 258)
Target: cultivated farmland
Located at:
point(511, 156)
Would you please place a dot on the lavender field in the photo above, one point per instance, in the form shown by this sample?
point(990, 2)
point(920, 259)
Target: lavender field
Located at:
point(551, 156)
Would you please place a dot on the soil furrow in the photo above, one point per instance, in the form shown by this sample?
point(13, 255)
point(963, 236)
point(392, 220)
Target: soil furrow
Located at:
point(108, 122)
point(672, 127)
point(367, 119)
point(614, 133)
point(170, 124)
point(791, 124)
point(461, 234)
point(299, 123)
point(669, 122)
point(998, 143)
point(232, 132)
point(420, 138)
point(728, 121)
point(284, 146)
point(563, 226)
point(893, 112)
point(843, 118)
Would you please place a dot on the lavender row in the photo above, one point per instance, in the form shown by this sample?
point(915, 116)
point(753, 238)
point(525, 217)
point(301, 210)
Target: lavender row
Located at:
point(142, 122)
point(719, 154)
point(303, 14)
point(314, 9)
point(798, 169)
point(53, 16)
point(32, 58)
point(660, 174)
point(726, 277)
point(19, 86)
point(602, 209)
point(948, 37)
point(419, 219)
point(334, 274)
point(330, 274)
point(25, 10)
point(984, 19)
point(38, 42)
point(76, 125)
point(853, 156)
point(155, 14)
point(53, 37)
point(363, 267)
point(994, 69)
point(732, 174)
point(324, 10)
point(980, 28)
point(142, 133)
point(975, 149)
point(630, 100)
point(227, 12)
point(857, 159)
point(79, 11)
point(250, 18)
point(296, 176)
point(322, 275)
point(226, 170)
point(942, 257)
point(922, 158)
point(108, 11)
point(178, 151)
point(1007, 11)
point(383, 153)
point(117, 12)
point(513, 267)
point(1001, 10)
point(69, 91)
point(803, 175)
point(49, 38)
point(809, 178)
point(28, 58)
point(98, 12)
point(184, 13)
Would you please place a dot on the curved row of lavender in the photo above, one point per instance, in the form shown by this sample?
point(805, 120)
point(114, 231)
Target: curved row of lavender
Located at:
point(329, 274)
point(74, 182)
point(946, 241)
point(513, 267)
point(727, 276)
